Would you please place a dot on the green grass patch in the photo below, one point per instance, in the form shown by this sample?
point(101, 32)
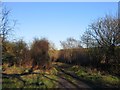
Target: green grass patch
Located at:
point(11, 83)
point(95, 76)
point(31, 80)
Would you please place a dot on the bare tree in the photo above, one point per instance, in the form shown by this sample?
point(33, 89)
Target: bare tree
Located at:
point(87, 40)
point(6, 27)
point(71, 43)
point(106, 32)
point(5, 24)
point(52, 46)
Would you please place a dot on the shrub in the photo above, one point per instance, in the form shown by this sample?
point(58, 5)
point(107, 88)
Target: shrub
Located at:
point(39, 53)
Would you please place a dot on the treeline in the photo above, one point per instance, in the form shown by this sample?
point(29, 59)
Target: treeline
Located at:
point(92, 57)
point(98, 47)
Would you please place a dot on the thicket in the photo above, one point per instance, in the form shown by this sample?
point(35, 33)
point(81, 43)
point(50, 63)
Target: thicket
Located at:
point(19, 54)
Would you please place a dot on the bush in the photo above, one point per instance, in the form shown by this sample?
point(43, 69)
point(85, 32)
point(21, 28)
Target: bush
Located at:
point(15, 53)
point(39, 53)
point(21, 52)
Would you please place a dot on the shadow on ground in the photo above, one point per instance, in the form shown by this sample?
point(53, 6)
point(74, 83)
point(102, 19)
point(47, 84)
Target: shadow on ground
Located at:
point(65, 79)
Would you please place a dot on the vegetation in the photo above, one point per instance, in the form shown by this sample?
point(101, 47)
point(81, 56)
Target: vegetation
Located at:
point(39, 53)
point(37, 79)
point(32, 67)
point(96, 76)
point(90, 75)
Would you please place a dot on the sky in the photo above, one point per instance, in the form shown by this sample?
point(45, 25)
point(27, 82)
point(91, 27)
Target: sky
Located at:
point(56, 21)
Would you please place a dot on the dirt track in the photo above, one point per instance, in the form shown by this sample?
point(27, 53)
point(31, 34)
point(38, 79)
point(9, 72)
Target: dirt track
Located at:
point(69, 83)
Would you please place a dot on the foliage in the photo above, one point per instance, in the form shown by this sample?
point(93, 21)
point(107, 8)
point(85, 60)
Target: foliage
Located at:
point(21, 52)
point(39, 53)
point(16, 52)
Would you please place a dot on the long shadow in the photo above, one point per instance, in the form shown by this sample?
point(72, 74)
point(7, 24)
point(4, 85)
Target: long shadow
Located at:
point(69, 81)
point(75, 77)
point(87, 82)
point(22, 74)
point(18, 76)
point(55, 81)
point(37, 84)
point(7, 82)
point(13, 76)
